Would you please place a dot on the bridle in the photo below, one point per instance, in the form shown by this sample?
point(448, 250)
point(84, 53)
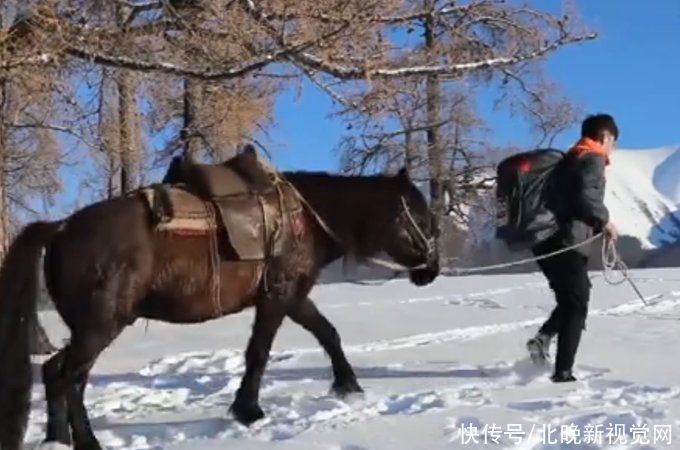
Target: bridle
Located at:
point(416, 235)
point(415, 232)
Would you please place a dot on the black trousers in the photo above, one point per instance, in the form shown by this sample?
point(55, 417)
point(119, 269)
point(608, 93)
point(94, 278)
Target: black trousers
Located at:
point(567, 274)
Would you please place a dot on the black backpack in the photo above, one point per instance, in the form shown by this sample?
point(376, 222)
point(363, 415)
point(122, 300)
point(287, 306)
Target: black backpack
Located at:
point(525, 193)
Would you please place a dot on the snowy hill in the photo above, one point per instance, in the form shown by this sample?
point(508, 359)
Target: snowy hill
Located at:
point(431, 360)
point(643, 194)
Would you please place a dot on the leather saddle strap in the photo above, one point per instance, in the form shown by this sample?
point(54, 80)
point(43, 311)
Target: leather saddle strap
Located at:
point(214, 257)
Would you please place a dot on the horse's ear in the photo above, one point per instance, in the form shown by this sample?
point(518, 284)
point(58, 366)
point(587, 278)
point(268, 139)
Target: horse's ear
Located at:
point(187, 159)
point(403, 174)
point(174, 172)
point(249, 148)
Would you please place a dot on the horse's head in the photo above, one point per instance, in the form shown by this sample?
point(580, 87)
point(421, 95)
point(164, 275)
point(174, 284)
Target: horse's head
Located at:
point(372, 215)
point(410, 236)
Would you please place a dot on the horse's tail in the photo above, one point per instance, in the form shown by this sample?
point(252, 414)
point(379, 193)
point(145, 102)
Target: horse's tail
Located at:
point(19, 278)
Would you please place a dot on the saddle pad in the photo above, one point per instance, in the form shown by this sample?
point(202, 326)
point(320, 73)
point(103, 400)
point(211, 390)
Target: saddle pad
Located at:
point(178, 210)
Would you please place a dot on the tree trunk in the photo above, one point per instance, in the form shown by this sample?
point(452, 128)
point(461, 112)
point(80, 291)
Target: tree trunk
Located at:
point(110, 153)
point(126, 122)
point(4, 213)
point(409, 152)
point(450, 180)
point(434, 151)
point(189, 135)
point(4, 210)
point(111, 188)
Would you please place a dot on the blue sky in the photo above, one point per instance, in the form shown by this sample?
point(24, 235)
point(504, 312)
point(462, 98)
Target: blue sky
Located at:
point(631, 71)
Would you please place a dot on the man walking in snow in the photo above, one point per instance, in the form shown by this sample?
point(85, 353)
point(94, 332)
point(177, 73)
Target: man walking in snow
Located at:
point(580, 212)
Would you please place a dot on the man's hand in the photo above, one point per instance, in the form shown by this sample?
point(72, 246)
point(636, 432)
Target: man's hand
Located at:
point(611, 233)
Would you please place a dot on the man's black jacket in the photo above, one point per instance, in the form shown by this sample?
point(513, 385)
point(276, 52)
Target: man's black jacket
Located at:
point(578, 200)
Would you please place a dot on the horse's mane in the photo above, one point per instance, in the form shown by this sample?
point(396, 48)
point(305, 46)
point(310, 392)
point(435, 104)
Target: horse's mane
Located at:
point(321, 176)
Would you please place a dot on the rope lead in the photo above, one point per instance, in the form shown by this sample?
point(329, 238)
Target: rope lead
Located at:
point(611, 262)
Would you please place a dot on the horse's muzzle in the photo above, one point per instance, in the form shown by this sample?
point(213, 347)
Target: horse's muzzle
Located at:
point(424, 276)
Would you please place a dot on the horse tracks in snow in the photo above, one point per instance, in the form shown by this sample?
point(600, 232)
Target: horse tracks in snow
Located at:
point(436, 365)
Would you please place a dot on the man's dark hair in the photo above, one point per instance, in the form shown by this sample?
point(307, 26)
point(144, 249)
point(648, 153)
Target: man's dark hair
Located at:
point(595, 125)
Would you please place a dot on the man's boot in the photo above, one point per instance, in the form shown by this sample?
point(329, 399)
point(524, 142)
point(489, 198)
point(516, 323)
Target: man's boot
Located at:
point(564, 376)
point(539, 348)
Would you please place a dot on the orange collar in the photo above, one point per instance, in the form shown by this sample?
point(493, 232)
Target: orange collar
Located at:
point(586, 145)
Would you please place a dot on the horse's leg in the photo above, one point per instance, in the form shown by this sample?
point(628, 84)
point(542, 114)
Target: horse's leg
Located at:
point(81, 355)
point(306, 314)
point(268, 317)
point(65, 377)
point(55, 395)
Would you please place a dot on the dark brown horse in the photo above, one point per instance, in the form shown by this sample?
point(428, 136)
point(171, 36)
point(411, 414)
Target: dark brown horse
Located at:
point(106, 266)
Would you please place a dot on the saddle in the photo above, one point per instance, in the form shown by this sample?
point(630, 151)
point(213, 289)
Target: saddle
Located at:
point(241, 200)
point(243, 175)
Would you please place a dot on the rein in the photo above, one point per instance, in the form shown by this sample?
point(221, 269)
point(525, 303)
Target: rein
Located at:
point(426, 244)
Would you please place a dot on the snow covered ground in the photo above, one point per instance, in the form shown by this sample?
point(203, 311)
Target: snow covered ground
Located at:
point(440, 365)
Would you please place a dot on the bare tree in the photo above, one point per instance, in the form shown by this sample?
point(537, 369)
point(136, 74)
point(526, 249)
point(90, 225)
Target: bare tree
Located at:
point(191, 100)
point(117, 130)
point(346, 39)
point(204, 119)
point(35, 113)
point(4, 209)
point(29, 152)
point(540, 102)
point(434, 120)
point(126, 116)
point(129, 153)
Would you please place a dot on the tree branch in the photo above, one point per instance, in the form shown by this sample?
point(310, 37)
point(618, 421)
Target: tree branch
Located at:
point(354, 73)
point(60, 129)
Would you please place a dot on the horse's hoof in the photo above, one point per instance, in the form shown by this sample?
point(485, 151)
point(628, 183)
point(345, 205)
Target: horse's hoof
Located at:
point(246, 413)
point(422, 277)
point(347, 388)
point(89, 445)
point(43, 349)
point(52, 446)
